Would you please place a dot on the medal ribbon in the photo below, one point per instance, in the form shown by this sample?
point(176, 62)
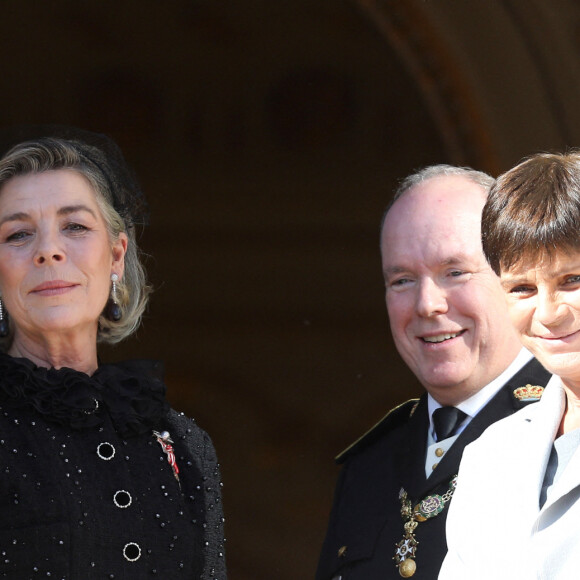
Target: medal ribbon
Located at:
point(164, 439)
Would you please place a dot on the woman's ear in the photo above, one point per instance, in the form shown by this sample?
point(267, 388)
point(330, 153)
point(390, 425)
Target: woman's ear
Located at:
point(119, 250)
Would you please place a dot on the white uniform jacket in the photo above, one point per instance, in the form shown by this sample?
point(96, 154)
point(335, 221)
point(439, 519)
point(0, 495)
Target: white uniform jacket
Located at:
point(495, 527)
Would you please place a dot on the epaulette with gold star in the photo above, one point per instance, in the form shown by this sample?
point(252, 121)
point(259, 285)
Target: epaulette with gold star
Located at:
point(392, 419)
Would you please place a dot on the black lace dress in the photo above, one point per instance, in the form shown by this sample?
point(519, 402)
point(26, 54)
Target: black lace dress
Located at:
point(99, 478)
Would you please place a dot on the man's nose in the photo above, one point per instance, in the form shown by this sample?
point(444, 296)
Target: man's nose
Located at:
point(431, 299)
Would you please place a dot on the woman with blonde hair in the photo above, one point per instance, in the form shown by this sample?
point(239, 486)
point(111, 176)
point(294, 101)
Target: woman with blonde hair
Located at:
point(100, 477)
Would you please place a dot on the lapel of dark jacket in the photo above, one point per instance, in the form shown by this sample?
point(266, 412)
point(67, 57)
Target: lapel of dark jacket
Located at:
point(411, 454)
point(503, 404)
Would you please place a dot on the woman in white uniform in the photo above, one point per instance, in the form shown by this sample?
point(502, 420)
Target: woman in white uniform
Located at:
point(516, 511)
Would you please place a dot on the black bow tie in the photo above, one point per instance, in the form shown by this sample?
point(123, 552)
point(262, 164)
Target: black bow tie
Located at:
point(446, 420)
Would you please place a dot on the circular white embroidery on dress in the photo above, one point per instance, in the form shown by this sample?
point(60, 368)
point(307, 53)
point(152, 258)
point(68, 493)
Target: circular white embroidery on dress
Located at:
point(132, 552)
point(105, 451)
point(122, 499)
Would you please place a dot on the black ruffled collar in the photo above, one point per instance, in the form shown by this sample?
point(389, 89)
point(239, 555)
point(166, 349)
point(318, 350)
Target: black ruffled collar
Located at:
point(132, 393)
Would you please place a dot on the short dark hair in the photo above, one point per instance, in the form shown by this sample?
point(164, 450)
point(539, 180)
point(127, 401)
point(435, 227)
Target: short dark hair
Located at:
point(533, 210)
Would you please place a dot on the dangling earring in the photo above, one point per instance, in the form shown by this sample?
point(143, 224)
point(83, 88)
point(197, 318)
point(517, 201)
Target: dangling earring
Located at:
point(113, 310)
point(3, 321)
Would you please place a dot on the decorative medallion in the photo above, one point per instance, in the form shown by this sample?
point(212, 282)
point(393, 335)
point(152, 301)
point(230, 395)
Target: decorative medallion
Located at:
point(406, 548)
point(429, 507)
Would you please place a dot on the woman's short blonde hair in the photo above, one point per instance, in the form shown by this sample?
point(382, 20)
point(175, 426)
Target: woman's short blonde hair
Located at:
point(121, 204)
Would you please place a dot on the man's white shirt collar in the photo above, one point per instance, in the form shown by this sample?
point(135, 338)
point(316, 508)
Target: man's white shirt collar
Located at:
point(476, 402)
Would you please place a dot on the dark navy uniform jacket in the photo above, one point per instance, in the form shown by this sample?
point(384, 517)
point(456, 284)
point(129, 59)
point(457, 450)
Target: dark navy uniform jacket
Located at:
point(366, 524)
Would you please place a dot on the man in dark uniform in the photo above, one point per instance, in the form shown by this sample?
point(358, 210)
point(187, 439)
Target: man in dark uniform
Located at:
point(450, 324)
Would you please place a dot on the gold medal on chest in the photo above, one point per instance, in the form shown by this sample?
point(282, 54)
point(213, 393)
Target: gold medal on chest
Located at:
point(427, 508)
